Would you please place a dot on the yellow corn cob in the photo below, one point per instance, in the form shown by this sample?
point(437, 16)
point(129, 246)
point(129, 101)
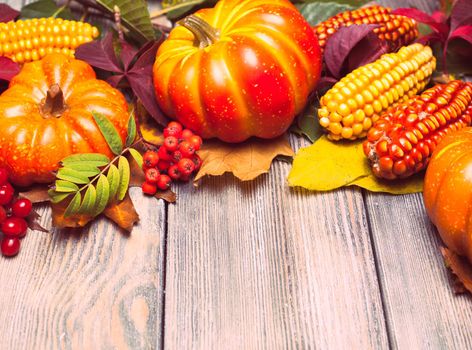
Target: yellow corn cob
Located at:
point(348, 110)
point(32, 39)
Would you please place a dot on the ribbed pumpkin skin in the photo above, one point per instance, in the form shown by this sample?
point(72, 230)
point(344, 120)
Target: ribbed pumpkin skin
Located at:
point(448, 191)
point(31, 143)
point(251, 82)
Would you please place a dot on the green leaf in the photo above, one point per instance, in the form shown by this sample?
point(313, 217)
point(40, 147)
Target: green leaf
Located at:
point(74, 205)
point(326, 166)
point(131, 130)
point(72, 175)
point(45, 8)
point(103, 194)
point(178, 8)
point(307, 124)
point(109, 132)
point(113, 177)
point(136, 156)
point(84, 169)
point(317, 12)
point(89, 201)
point(57, 197)
point(123, 167)
point(65, 186)
point(134, 16)
point(85, 159)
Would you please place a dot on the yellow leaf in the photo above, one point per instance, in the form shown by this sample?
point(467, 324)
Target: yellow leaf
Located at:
point(246, 160)
point(326, 165)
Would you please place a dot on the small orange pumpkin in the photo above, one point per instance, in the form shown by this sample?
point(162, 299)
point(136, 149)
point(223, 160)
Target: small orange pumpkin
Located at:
point(448, 191)
point(46, 115)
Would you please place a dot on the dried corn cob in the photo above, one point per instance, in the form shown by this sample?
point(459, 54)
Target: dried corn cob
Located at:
point(32, 39)
point(349, 109)
point(396, 30)
point(402, 141)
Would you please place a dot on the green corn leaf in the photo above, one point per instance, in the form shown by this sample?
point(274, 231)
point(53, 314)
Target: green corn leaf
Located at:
point(113, 178)
point(72, 175)
point(109, 132)
point(89, 200)
point(123, 167)
point(74, 205)
point(137, 157)
point(93, 159)
point(57, 197)
point(131, 130)
point(103, 194)
point(65, 186)
point(83, 168)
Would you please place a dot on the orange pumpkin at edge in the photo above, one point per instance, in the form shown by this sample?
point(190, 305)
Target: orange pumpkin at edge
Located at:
point(448, 191)
point(240, 69)
point(46, 115)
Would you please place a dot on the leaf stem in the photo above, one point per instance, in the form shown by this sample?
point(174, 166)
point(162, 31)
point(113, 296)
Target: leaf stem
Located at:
point(60, 9)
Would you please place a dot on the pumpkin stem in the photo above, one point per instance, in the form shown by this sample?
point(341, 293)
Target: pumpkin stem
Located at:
point(54, 103)
point(204, 33)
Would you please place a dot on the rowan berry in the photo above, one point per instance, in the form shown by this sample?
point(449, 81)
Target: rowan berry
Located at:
point(163, 182)
point(187, 149)
point(164, 153)
point(186, 166)
point(14, 226)
point(151, 175)
point(22, 207)
point(163, 165)
point(197, 161)
point(186, 134)
point(196, 141)
point(150, 159)
point(171, 143)
point(173, 129)
point(149, 188)
point(174, 172)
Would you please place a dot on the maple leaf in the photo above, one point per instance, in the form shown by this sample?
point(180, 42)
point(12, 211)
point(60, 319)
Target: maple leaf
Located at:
point(7, 13)
point(133, 67)
point(461, 268)
point(246, 160)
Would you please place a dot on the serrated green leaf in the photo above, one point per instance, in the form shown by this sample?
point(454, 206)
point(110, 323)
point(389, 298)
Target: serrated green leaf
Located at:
point(88, 203)
point(85, 169)
point(90, 159)
point(103, 194)
point(74, 205)
point(131, 130)
point(65, 186)
point(123, 167)
point(113, 178)
point(134, 16)
point(57, 197)
point(72, 175)
point(136, 156)
point(109, 132)
point(45, 8)
point(178, 8)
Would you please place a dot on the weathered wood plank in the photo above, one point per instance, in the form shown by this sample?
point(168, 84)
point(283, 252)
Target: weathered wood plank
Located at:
point(95, 288)
point(422, 310)
point(257, 265)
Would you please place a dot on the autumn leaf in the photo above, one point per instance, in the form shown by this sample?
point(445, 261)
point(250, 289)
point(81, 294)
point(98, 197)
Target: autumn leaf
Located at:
point(326, 166)
point(123, 214)
point(7, 13)
point(461, 268)
point(36, 194)
point(246, 160)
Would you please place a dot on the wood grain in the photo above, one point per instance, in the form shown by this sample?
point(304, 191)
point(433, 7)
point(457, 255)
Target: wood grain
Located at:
point(95, 288)
point(421, 308)
point(259, 266)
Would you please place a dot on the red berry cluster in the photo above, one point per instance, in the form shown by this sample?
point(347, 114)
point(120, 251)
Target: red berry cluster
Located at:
point(174, 160)
point(13, 212)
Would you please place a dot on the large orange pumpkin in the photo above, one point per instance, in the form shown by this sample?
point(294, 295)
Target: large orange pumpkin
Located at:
point(243, 68)
point(46, 115)
point(448, 191)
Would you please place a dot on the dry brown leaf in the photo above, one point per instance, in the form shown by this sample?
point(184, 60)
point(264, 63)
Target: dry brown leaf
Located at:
point(246, 160)
point(123, 214)
point(167, 195)
point(461, 269)
point(36, 194)
point(149, 129)
point(60, 221)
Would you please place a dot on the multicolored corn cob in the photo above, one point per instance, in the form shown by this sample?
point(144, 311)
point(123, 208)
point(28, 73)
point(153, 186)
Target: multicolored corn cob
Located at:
point(396, 30)
point(403, 140)
point(349, 109)
point(32, 39)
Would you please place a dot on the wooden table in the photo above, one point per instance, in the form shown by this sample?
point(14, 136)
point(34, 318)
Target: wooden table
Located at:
point(239, 266)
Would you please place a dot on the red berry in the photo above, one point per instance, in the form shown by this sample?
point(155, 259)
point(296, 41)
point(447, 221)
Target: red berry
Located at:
point(3, 176)
point(164, 153)
point(163, 165)
point(149, 188)
point(173, 129)
point(174, 172)
point(196, 141)
point(22, 207)
point(171, 143)
point(197, 161)
point(14, 226)
point(6, 194)
point(186, 134)
point(150, 159)
point(187, 149)
point(184, 178)
point(186, 166)
point(3, 214)
point(152, 175)
point(10, 246)
point(163, 183)
point(176, 156)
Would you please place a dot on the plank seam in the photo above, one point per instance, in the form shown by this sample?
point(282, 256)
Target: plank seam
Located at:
point(164, 274)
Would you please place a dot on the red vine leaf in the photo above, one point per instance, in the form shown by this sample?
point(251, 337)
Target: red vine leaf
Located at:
point(461, 14)
point(7, 13)
point(100, 54)
point(8, 68)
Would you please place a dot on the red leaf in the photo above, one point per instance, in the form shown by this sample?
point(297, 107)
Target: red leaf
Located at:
point(463, 32)
point(7, 13)
point(441, 28)
point(366, 51)
point(127, 54)
point(342, 43)
point(461, 14)
point(8, 68)
point(100, 54)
